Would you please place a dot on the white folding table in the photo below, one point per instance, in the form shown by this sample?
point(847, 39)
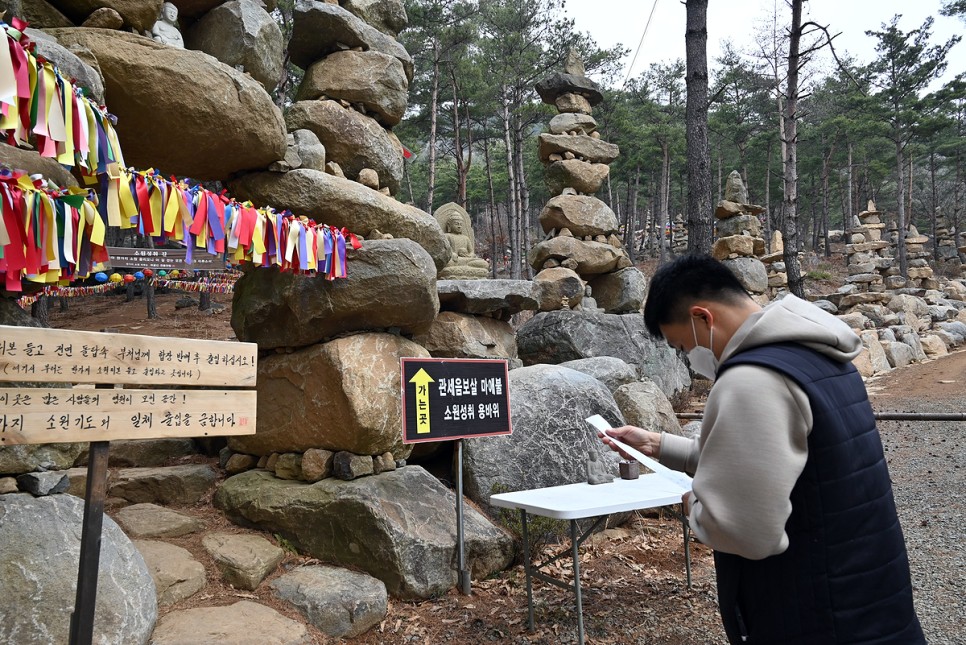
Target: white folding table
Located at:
point(581, 501)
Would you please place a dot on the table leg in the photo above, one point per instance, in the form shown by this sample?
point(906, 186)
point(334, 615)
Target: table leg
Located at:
point(687, 545)
point(526, 567)
point(576, 556)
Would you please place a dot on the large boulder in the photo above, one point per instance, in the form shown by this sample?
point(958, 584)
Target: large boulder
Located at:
point(388, 16)
point(32, 163)
point(339, 395)
point(40, 14)
point(553, 285)
point(39, 551)
point(391, 284)
point(582, 146)
point(217, 122)
point(24, 458)
point(242, 33)
point(576, 122)
point(558, 336)
point(140, 15)
point(644, 405)
point(622, 291)
point(195, 8)
point(498, 298)
point(456, 335)
point(343, 203)
point(582, 176)
point(581, 214)
point(321, 28)
point(351, 139)
point(551, 439)
point(751, 273)
point(609, 370)
point(592, 258)
point(371, 78)
point(398, 526)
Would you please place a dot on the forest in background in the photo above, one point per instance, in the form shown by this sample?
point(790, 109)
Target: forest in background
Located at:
point(884, 130)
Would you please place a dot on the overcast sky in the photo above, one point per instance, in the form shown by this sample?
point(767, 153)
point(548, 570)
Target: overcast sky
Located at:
point(622, 21)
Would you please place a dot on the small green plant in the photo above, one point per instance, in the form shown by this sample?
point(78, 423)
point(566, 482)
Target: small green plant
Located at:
point(819, 274)
point(285, 544)
point(542, 531)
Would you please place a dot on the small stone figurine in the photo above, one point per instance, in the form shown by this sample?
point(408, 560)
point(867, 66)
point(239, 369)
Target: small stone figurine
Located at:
point(165, 30)
point(597, 470)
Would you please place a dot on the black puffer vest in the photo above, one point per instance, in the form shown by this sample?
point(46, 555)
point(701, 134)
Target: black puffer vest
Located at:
point(845, 575)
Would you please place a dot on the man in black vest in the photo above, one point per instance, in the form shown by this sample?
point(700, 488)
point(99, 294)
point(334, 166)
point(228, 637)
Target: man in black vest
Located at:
point(791, 488)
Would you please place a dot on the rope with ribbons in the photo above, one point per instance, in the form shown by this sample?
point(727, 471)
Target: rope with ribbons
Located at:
point(37, 101)
point(50, 235)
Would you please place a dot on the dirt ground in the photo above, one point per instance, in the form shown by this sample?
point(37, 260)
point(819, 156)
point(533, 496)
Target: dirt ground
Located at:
point(633, 576)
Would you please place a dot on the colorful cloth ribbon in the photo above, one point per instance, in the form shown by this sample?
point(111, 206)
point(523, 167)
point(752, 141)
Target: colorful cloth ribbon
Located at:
point(37, 101)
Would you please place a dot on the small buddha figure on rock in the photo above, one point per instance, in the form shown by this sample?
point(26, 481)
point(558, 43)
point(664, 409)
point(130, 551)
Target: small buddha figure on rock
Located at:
point(597, 472)
point(463, 263)
point(165, 30)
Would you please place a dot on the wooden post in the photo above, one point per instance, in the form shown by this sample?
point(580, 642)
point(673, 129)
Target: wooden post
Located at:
point(82, 620)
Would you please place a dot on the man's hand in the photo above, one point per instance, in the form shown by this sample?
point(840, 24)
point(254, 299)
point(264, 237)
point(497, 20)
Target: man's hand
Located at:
point(647, 442)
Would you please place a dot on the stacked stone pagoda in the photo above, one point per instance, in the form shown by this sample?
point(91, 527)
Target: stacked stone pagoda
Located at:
point(739, 236)
point(775, 265)
point(920, 273)
point(945, 243)
point(679, 233)
point(871, 264)
point(581, 231)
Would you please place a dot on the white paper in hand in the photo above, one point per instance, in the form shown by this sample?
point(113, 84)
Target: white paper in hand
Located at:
point(679, 478)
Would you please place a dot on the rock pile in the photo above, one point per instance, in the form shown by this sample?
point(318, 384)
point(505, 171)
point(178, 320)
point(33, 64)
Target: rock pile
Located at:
point(871, 265)
point(921, 274)
point(947, 253)
point(775, 265)
point(679, 232)
point(739, 236)
point(355, 89)
point(581, 230)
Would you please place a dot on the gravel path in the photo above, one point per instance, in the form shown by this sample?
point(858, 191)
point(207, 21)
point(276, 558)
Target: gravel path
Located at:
point(927, 461)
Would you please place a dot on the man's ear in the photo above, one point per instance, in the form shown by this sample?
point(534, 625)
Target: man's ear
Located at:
point(701, 313)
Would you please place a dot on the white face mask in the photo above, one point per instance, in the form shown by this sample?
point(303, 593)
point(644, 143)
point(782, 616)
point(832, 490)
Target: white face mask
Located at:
point(702, 359)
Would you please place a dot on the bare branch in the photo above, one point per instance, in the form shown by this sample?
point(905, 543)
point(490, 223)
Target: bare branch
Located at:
point(828, 40)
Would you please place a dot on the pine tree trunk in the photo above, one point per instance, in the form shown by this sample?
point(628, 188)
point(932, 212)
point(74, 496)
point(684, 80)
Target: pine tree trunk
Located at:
point(901, 210)
point(850, 213)
point(433, 106)
point(513, 219)
point(934, 215)
point(493, 213)
point(40, 310)
point(790, 137)
point(768, 215)
point(696, 128)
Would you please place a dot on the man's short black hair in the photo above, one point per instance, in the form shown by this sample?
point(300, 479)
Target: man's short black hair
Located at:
point(679, 283)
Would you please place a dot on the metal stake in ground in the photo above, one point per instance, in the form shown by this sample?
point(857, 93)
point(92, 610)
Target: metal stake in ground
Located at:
point(82, 620)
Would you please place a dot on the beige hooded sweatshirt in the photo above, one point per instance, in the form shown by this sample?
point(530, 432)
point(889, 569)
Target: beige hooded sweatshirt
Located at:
point(753, 444)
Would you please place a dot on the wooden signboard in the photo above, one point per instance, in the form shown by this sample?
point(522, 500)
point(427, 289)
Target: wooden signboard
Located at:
point(73, 413)
point(107, 393)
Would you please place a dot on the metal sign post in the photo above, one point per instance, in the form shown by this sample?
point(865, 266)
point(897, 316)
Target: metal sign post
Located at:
point(464, 574)
point(450, 399)
point(82, 619)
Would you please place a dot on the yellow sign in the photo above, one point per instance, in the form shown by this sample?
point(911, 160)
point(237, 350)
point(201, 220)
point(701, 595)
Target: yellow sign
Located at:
point(422, 381)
